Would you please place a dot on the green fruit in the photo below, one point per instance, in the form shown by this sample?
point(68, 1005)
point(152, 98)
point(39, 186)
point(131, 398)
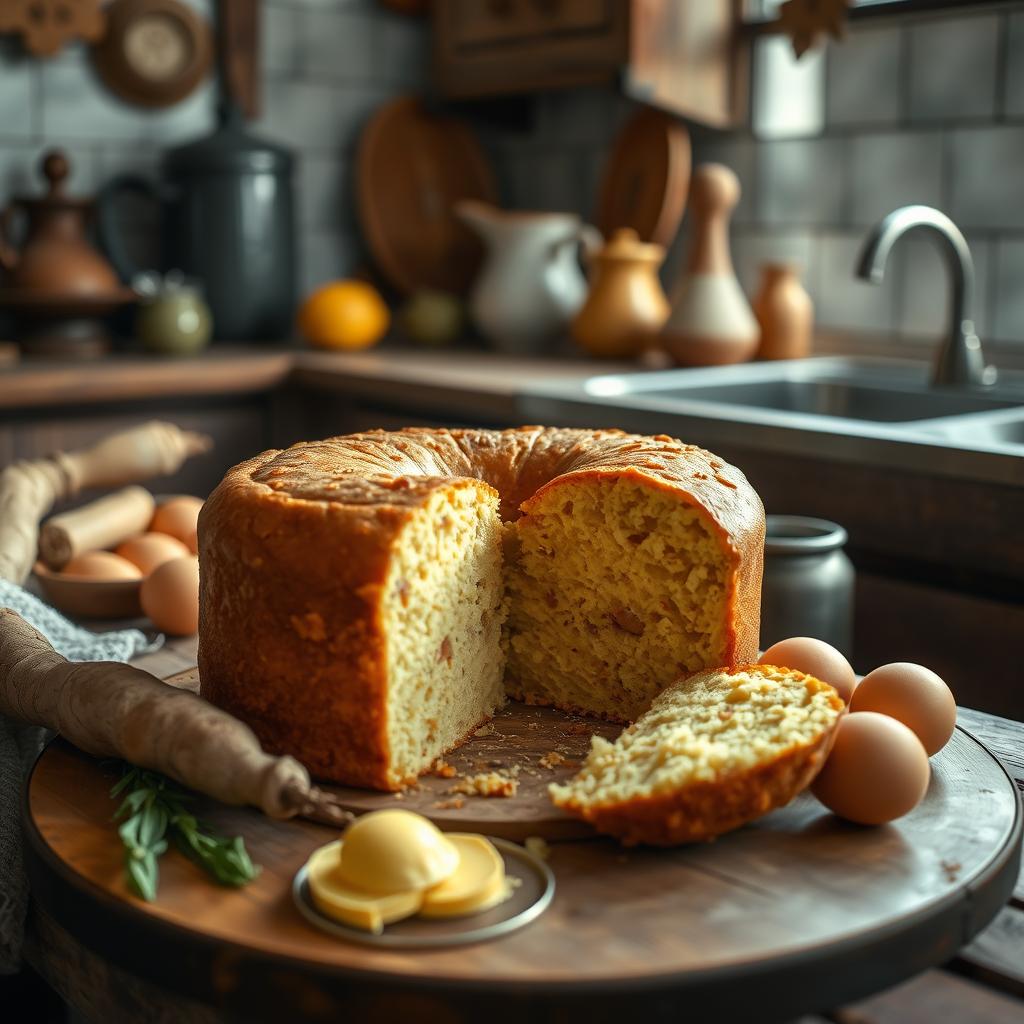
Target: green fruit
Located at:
point(432, 318)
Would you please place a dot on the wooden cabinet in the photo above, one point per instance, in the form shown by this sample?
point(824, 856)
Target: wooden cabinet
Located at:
point(685, 57)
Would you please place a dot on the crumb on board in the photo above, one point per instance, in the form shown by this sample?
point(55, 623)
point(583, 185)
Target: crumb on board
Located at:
point(951, 869)
point(454, 804)
point(578, 729)
point(442, 769)
point(487, 729)
point(400, 795)
point(537, 846)
point(488, 784)
point(551, 760)
point(533, 725)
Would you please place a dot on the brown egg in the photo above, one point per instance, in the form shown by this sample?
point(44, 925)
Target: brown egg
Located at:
point(915, 696)
point(815, 658)
point(150, 550)
point(170, 596)
point(877, 770)
point(102, 566)
point(177, 517)
point(193, 542)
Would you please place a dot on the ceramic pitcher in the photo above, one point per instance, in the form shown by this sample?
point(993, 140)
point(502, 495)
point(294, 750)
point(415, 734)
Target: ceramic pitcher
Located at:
point(531, 284)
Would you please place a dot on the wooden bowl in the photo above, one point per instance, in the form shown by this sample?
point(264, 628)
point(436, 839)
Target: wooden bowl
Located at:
point(90, 599)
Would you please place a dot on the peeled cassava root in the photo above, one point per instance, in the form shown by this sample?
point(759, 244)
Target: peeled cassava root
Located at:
point(109, 709)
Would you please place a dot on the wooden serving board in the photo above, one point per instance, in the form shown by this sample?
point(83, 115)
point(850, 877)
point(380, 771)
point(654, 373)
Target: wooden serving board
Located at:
point(795, 912)
point(532, 746)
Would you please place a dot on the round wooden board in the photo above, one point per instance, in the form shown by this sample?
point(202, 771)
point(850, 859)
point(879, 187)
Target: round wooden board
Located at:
point(412, 166)
point(796, 912)
point(647, 177)
point(531, 746)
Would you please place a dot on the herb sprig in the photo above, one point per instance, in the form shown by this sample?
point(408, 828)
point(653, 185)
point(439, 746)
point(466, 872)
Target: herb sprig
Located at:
point(153, 805)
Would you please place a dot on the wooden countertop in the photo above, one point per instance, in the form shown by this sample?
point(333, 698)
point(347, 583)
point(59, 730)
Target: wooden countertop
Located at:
point(470, 379)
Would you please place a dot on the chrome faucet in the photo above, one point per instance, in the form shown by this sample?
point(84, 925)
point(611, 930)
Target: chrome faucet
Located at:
point(960, 362)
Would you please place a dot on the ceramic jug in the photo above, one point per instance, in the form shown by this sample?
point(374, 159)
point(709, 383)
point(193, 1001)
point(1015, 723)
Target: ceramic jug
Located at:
point(626, 306)
point(531, 284)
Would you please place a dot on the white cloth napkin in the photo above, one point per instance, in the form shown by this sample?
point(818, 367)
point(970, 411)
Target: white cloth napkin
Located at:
point(20, 746)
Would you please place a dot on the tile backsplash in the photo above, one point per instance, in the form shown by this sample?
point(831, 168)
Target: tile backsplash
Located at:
point(925, 109)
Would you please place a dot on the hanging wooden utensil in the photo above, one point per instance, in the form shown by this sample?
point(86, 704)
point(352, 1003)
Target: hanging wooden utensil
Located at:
point(47, 26)
point(411, 168)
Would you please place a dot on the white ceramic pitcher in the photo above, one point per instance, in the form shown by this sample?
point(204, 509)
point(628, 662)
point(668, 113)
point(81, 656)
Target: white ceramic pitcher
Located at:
point(531, 284)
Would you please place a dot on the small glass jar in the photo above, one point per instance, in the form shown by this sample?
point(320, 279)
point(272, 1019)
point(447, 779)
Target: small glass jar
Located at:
point(808, 582)
point(172, 318)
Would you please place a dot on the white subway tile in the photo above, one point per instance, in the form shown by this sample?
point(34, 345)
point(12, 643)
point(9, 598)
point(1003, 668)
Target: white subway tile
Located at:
point(843, 299)
point(1009, 303)
point(801, 182)
point(953, 68)
point(864, 77)
point(1013, 99)
point(892, 169)
point(16, 108)
point(988, 182)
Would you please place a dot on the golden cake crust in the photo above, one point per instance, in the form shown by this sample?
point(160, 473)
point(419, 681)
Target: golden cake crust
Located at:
point(701, 811)
point(295, 546)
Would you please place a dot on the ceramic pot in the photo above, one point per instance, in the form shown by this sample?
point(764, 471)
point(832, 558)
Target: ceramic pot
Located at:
point(711, 322)
point(530, 285)
point(626, 306)
point(784, 312)
point(808, 582)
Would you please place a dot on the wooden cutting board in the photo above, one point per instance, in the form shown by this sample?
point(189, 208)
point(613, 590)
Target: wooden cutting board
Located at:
point(529, 746)
point(795, 912)
point(412, 166)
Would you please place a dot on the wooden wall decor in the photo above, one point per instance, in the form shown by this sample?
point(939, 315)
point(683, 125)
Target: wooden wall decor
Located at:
point(46, 26)
point(154, 52)
point(805, 20)
point(238, 40)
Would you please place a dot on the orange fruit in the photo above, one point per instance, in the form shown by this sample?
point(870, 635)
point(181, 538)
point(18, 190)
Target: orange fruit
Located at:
point(346, 315)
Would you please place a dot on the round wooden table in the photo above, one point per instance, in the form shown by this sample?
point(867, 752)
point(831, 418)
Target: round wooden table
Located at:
point(795, 913)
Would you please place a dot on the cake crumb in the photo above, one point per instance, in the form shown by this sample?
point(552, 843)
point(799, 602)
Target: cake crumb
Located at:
point(537, 846)
point(444, 770)
point(951, 869)
point(488, 784)
point(551, 760)
point(533, 725)
point(487, 729)
point(578, 728)
point(455, 804)
point(399, 795)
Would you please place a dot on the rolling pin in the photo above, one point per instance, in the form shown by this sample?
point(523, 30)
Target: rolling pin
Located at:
point(28, 490)
point(100, 524)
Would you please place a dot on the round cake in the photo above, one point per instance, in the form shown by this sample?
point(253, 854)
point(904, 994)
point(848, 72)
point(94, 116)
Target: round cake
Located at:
point(368, 601)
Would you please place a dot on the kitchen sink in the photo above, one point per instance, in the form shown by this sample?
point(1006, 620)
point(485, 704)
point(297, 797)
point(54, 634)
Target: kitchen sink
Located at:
point(865, 390)
point(878, 412)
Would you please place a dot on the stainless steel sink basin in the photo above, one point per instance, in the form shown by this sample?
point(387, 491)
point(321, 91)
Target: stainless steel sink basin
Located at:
point(865, 390)
point(877, 412)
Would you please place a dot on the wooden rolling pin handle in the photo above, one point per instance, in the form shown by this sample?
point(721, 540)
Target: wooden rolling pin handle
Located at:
point(100, 524)
point(113, 710)
point(153, 449)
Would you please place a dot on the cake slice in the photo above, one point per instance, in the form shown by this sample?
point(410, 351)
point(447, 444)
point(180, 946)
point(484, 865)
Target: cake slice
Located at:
point(714, 751)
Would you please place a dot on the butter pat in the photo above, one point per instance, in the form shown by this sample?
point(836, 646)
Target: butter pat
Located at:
point(477, 884)
point(333, 896)
point(393, 851)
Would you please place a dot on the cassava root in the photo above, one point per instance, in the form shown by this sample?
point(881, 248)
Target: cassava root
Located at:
point(109, 709)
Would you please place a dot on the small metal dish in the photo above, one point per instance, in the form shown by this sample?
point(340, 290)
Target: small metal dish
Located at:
point(527, 902)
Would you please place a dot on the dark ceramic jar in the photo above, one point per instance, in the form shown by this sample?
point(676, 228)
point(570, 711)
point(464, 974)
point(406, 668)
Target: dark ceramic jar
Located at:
point(808, 582)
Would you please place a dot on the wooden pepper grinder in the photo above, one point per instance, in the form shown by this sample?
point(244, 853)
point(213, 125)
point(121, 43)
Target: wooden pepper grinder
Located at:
point(711, 321)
